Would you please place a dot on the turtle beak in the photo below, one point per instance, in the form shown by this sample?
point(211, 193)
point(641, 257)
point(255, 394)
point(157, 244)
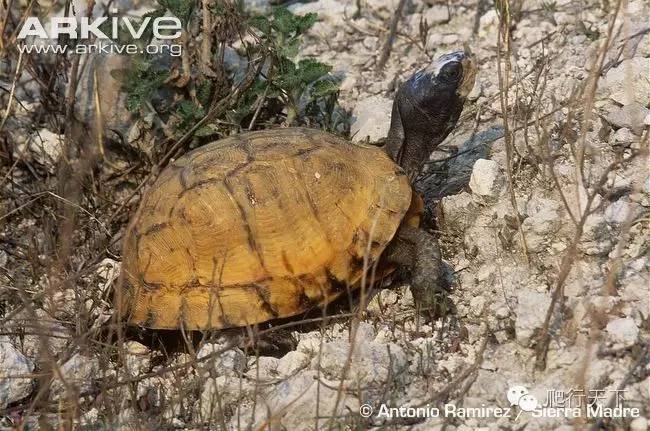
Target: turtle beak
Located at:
point(467, 60)
point(469, 74)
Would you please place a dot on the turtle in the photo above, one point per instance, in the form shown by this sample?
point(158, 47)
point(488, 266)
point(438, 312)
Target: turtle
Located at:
point(270, 224)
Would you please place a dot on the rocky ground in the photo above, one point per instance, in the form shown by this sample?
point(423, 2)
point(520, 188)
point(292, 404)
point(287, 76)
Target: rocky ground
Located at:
point(547, 261)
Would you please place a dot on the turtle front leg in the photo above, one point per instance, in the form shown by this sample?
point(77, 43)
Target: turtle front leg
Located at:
point(419, 250)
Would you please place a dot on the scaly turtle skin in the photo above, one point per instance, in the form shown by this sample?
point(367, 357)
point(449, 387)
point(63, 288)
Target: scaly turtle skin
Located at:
point(270, 224)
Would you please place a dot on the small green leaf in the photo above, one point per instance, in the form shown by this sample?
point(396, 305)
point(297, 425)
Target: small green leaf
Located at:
point(204, 91)
point(189, 111)
point(289, 48)
point(289, 24)
point(304, 23)
point(310, 70)
point(261, 23)
point(324, 88)
point(134, 102)
point(284, 21)
point(140, 83)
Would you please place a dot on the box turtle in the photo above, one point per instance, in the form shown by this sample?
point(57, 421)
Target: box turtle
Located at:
point(270, 224)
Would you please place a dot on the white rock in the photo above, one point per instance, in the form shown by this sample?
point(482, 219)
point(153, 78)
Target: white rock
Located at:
point(372, 362)
point(263, 369)
point(477, 306)
point(371, 119)
point(477, 91)
point(596, 239)
point(90, 418)
point(309, 343)
point(306, 401)
point(629, 82)
point(436, 14)
point(543, 215)
point(449, 39)
point(531, 313)
point(631, 116)
point(292, 362)
point(168, 393)
point(259, 6)
point(622, 331)
point(383, 301)
point(365, 331)
point(78, 372)
point(577, 199)
point(109, 270)
point(349, 82)
point(331, 11)
point(13, 364)
point(220, 393)
point(30, 344)
point(44, 147)
point(232, 361)
point(459, 210)
point(619, 211)
point(486, 179)
point(623, 137)
point(488, 25)
point(407, 301)
point(137, 358)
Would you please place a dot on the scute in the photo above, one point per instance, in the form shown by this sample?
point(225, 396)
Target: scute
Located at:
point(259, 226)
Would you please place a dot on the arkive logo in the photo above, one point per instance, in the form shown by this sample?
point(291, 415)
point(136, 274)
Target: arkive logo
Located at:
point(163, 28)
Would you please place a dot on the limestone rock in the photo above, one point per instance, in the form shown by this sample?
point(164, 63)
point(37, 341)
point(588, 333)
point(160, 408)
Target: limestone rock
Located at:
point(293, 361)
point(487, 179)
point(372, 362)
point(263, 369)
point(629, 82)
point(221, 393)
point(137, 358)
point(231, 361)
point(531, 312)
point(371, 119)
point(303, 402)
point(619, 211)
point(79, 372)
point(622, 331)
point(13, 363)
point(630, 116)
point(43, 147)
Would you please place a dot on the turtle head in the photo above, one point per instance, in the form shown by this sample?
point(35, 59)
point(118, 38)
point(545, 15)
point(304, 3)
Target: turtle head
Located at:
point(426, 109)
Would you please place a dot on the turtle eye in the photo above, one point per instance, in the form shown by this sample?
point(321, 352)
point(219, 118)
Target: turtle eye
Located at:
point(451, 71)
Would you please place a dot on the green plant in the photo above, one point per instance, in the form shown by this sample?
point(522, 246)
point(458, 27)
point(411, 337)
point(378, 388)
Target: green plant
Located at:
point(298, 84)
point(140, 82)
point(286, 88)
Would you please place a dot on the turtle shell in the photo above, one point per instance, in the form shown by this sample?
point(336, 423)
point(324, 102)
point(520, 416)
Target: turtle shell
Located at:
point(259, 226)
